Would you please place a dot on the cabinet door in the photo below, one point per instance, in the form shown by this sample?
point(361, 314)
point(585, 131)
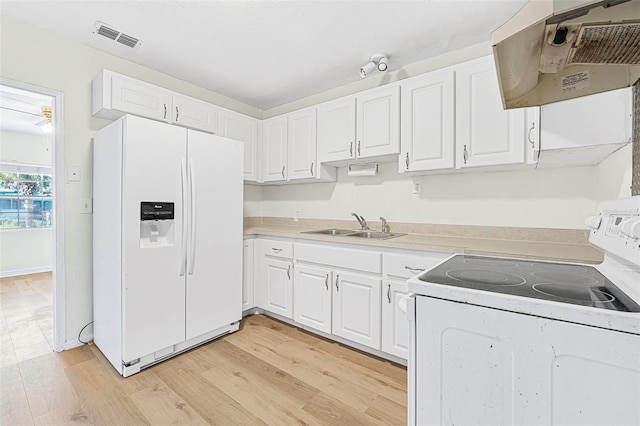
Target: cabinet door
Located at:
point(245, 129)
point(312, 297)
point(356, 309)
point(395, 327)
point(194, 114)
point(428, 123)
point(247, 275)
point(139, 98)
point(278, 287)
point(301, 144)
point(337, 130)
point(274, 153)
point(486, 135)
point(378, 123)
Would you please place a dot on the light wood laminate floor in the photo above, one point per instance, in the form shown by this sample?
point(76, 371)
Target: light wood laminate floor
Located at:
point(266, 373)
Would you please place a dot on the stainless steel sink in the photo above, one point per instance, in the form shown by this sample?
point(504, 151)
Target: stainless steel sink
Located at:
point(375, 235)
point(331, 231)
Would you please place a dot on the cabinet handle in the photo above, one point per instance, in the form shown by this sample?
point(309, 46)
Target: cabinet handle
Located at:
point(465, 154)
point(389, 293)
point(351, 149)
point(177, 113)
point(407, 161)
point(276, 250)
point(414, 270)
point(326, 282)
point(282, 172)
point(337, 279)
point(165, 111)
point(289, 272)
point(311, 169)
point(358, 148)
point(533, 126)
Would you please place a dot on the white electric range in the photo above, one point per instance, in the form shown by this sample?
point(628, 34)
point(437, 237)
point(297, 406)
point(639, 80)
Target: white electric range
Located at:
point(497, 341)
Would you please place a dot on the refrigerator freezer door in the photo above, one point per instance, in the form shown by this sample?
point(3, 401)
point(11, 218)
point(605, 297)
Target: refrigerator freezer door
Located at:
point(214, 259)
point(154, 291)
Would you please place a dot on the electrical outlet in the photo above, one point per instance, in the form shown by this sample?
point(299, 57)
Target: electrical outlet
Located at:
point(417, 186)
point(296, 217)
point(86, 205)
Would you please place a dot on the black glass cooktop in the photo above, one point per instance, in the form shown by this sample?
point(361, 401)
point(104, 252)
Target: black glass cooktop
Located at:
point(558, 282)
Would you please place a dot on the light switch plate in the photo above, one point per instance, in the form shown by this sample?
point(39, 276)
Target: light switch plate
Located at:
point(73, 173)
point(86, 205)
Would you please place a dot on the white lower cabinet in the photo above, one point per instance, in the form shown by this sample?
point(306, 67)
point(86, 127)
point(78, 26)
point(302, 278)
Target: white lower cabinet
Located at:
point(356, 309)
point(275, 275)
point(312, 297)
point(247, 275)
point(398, 268)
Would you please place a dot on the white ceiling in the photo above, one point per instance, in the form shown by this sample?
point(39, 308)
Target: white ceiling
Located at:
point(21, 111)
point(267, 53)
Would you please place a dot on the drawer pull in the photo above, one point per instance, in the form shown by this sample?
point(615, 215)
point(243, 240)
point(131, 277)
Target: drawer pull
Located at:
point(414, 270)
point(276, 250)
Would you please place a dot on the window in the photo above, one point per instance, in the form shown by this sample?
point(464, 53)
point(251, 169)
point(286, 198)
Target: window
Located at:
point(25, 200)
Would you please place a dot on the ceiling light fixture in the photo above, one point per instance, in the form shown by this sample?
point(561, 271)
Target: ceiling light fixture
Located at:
point(379, 61)
point(46, 125)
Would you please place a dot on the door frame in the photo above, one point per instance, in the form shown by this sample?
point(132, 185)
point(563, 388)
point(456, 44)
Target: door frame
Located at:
point(57, 157)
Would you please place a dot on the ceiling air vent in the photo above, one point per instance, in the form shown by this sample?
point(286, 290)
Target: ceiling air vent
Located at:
point(106, 31)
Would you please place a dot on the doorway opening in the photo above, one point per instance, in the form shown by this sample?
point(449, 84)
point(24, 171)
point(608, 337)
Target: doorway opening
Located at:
point(31, 221)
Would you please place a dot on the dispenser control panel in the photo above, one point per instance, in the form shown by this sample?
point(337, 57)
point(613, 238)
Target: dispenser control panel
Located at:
point(156, 211)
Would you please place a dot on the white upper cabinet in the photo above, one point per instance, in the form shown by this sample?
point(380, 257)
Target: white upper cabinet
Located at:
point(274, 149)
point(366, 126)
point(245, 129)
point(337, 130)
point(302, 143)
point(428, 123)
point(194, 114)
point(486, 135)
point(378, 123)
point(115, 94)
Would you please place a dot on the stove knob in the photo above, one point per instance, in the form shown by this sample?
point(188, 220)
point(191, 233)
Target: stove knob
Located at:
point(631, 227)
point(593, 222)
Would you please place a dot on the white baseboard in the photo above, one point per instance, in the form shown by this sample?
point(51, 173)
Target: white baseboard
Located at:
point(70, 344)
point(27, 271)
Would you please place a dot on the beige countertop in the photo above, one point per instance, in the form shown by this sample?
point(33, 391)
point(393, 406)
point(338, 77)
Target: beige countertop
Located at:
point(547, 244)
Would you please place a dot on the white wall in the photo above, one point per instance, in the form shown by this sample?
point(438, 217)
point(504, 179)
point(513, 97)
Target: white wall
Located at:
point(40, 57)
point(25, 251)
point(25, 148)
point(553, 198)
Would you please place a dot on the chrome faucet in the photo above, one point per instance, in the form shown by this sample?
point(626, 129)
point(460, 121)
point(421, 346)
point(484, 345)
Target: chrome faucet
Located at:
point(361, 221)
point(384, 224)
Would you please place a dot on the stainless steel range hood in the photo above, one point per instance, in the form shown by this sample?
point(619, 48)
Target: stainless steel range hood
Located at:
point(556, 50)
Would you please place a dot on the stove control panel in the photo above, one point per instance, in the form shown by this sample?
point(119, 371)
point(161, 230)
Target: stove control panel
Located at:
point(616, 228)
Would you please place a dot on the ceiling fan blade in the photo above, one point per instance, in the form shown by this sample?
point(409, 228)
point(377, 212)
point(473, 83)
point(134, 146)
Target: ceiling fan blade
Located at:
point(42, 123)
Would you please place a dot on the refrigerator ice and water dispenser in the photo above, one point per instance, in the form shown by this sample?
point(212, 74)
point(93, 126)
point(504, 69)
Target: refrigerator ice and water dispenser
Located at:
point(157, 224)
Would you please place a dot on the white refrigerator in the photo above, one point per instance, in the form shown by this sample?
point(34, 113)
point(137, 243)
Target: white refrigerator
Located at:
point(167, 240)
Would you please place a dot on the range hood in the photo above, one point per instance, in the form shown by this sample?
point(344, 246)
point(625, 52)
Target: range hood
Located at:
point(555, 50)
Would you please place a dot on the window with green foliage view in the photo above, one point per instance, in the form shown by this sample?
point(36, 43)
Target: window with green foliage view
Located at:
point(25, 200)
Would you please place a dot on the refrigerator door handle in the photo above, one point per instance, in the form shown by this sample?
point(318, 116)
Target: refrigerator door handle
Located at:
point(192, 233)
point(183, 247)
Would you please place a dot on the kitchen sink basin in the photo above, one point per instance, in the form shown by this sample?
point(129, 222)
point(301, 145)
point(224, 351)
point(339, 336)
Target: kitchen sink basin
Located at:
point(375, 235)
point(331, 231)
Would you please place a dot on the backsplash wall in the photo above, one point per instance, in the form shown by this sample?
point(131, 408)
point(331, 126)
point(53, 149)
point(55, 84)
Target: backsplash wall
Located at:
point(552, 198)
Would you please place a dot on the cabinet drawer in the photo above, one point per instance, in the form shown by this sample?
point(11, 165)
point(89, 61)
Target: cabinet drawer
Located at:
point(274, 248)
point(406, 266)
point(360, 260)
